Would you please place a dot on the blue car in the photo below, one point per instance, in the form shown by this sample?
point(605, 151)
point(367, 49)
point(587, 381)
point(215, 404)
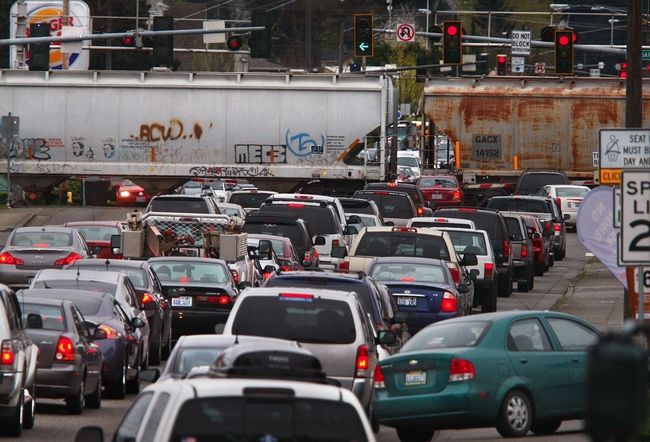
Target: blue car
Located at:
point(423, 288)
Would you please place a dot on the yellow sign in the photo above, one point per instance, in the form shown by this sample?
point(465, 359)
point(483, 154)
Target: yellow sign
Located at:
point(610, 176)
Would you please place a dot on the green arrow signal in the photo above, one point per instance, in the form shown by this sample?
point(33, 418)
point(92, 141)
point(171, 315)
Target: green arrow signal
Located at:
point(363, 47)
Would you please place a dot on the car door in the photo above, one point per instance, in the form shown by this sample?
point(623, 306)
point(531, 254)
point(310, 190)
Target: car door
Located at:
point(25, 346)
point(542, 369)
point(573, 340)
point(133, 339)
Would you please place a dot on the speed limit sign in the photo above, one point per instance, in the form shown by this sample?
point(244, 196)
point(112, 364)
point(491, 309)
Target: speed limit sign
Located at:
point(635, 217)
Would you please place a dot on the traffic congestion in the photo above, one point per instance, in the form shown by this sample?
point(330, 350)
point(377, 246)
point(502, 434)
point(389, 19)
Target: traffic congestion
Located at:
point(384, 315)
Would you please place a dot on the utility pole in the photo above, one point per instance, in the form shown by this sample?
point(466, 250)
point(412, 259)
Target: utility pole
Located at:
point(633, 86)
point(308, 35)
point(66, 14)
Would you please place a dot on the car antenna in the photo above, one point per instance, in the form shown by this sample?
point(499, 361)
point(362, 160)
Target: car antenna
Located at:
point(237, 339)
point(107, 262)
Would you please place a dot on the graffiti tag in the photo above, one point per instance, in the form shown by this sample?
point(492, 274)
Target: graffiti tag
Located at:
point(260, 154)
point(303, 144)
point(175, 130)
point(234, 172)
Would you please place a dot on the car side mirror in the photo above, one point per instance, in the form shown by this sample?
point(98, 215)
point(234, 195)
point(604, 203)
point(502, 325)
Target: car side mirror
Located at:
point(270, 269)
point(469, 259)
point(219, 328)
point(137, 323)
point(319, 241)
point(339, 252)
point(116, 244)
point(244, 285)
point(34, 320)
point(386, 337)
point(149, 375)
point(463, 288)
point(350, 230)
point(354, 219)
point(90, 434)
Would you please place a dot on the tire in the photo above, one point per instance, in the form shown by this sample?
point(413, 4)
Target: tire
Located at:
point(551, 261)
point(515, 416)
point(155, 354)
point(489, 300)
point(539, 270)
point(117, 389)
point(13, 425)
point(531, 283)
point(545, 427)
point(77, 402)
point(29, 409)
point(133, 385)
point(505, 285)
point(415, 433)
point(522, 285)
point(94, 399)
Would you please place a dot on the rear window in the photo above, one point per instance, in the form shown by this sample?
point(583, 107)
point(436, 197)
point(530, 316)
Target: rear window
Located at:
point(179, 205)
point(530, 183)
point(409, 273)
point(441, 335)
point(513, 225)
point(519, 205)
point(267, 416)
point(391, 206)
point(249, 200)
point(195, 271)
point(321, 220)
point(571, 191)
point(190, 357)
point(402, 244)
point(296, 316)
point(484, 220)
point(408, 161)
point(97, 233)
point(468, 242)
point(358, 207)
point(52, 315)
point(445, 183)
point(137, 276)
point(42, 239)
point(293, 232)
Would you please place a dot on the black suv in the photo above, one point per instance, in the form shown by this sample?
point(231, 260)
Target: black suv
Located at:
point(183, 204)
point(289, 227)
point(18, 368)
point(411, 189)
point(493, 223)
point(359, 205)
point(530, 182)
point(396, 208)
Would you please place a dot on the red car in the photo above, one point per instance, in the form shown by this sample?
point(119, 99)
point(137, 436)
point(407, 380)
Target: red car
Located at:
point(98, 236)
point(130, 194)
point(440, 190)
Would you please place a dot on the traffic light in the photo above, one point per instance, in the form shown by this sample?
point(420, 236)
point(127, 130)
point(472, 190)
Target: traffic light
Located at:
point(452, 42)
point(436, 29)
point(163, 45)
point(363, 39)
point(564, 52)
point(548, 33)
point(421, 73)
point(234, 42)
point(622, 71)
point(502, 64)
point(39, 53)
point(260, 41)
point(482, 64)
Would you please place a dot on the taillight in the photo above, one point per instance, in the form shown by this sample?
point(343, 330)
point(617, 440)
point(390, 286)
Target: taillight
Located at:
point(64, 350)
point(362, 362)
point(378, 377)
point(461, 370)
point(72, 257)
point(224, 300)
point(420, 211)
point(524, 251)
point(449, 303)
point(488, 268)
point(235, 276)
point(266, 275)
point(344, 266)
point(111, 333)
point(558, 201)
point(147, 298)
point(336, 243)
point(455, 195)
point(285, 268)
point(557, 227)
point(8, 258)
point(506, 248)
point(7, 356)
point(455, 274)
point(547, 226)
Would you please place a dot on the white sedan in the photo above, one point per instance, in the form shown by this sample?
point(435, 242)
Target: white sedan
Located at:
point(568, 198)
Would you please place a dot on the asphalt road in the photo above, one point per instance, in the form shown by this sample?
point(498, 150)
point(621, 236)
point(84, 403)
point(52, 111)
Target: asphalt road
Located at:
point(54, 425)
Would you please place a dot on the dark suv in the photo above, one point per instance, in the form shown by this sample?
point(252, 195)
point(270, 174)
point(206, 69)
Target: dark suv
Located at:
point(289, 227)
point(523, 256)
point(396, 208)
point(493, 223)
point(411, 189)
point(183, 204)
point(530, 182)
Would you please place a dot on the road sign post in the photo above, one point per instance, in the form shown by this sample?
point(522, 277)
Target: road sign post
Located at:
point(622, 149)
point(405, 33)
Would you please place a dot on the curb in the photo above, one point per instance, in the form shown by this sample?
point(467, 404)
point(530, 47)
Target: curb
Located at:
point(26, 220)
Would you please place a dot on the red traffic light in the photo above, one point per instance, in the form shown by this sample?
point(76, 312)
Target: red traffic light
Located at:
point(234, 43)
point(563, 40)
point(501, 59)
point(452, 30)
point(128, 40)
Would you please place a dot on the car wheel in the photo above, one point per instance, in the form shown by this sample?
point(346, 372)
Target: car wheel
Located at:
point(515, 416)
point(155, 354)
point(117, 389)
point(505, 285)
point(551, 261)
point(133, 384)
point(29, 409)
point(562, 253)
point(539, 269)
point(522, 285)
point(76, 402)
point(545, 426)
point(94, 400)
point(531, 283)
point(13, 425)
point(489, 300)
point(415, 433)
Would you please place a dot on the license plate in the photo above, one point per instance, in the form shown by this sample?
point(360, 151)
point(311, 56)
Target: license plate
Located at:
point(182, 301)
point(416, 378)
point(436, 196)
point(407, 301)
point(139, 199)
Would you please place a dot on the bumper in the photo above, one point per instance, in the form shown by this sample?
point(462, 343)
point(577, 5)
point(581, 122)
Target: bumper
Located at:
point(417, 321)
point(113, 354)
point(436, 204)
point(10, 384)
point(189, 322)
point(16, 278)
point(58, 381)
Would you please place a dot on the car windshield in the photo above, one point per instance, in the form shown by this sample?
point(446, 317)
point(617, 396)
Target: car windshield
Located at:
point(519, 205)
point(391, 206)
point(571, 191)
point(288, 231)
point(409, 273)
point(468, 241)
point(97, 233)
point(445, 183)
point(408, 161)
point(296, 316)
point(137, 276)
point(52, 315)
point(179, 205)
point(321, 220)
point(260, 414)
point(42, 239)
point(190, 357)
point(402, 244)
point(249, 199)
point(445, 335)
point(190, 271)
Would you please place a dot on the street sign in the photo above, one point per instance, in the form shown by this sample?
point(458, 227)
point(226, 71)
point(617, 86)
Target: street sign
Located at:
point(594, 72)
point(214, 38)
point(518, 64)
point(540, 68)
point(645, 54)
point(469, 63)
point(625, 148)
point(405, 33)
point(635, 217)
point(520, 44)
point(595, 159)
point(609, 176)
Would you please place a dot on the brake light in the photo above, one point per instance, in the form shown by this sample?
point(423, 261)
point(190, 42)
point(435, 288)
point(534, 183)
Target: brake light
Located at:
point(266, 275)
point(506, 248)
point(380, 192)
point(183, 279)
point(285, 268)
point(420, 211)
point(344, 266)
point(455, 195)
point(524, 251)
point(547, 226)
point(363, 361)
point(408, 279)
point(8, 258)
point(488, 268)
point(223, 300)
point(147, 298)
point(111, 333)
point(455, 274)
point(467, 209)
point(378, 377)
point(64, 350)
point(296, 205)
point(391, 185)
point(461, 370)
point(41, 245)
point(299, 296)
point(558, 200)
point(304, 197)
point(235, 276)
point(72, 257)
point(7, 356)
point(404, 229)
point(449, 303)
point(557, 227)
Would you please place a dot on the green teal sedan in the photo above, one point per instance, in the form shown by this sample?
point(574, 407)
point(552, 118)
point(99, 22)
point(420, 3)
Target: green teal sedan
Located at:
point(518, 371)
